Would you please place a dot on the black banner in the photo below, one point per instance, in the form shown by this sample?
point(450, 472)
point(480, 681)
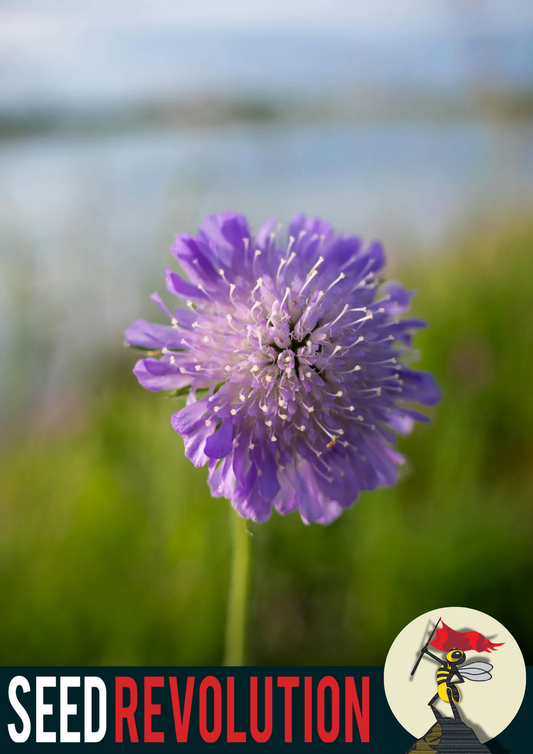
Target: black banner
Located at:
point(132, 706)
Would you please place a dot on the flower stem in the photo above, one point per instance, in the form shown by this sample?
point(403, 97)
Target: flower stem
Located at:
point(234, 653)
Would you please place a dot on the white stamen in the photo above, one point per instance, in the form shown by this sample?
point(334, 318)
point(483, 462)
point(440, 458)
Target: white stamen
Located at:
point(208, 422)
point(361, 319)
point(341, 277)
point(329, 434)
point(340, 315)
point(311, 275)
point(320, 259)
point(356, 368)
point(289, 245)
point(198, 367)
point(174, 323)
point(376, 390)
point(268, 423)
point(378, 363)
point(216, 409)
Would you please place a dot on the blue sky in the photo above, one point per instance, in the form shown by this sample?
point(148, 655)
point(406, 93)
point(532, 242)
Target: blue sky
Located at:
point(61, 52)
point(38, 19)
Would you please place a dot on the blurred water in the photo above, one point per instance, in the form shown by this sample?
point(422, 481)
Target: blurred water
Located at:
point(86, 221)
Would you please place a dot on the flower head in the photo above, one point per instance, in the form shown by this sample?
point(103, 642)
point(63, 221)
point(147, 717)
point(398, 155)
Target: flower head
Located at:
point(291, 354)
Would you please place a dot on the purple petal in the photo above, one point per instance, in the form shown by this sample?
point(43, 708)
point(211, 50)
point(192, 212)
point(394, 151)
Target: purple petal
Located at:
point(221, 478)
point(399, 299)
point(152, 336)
point(157, 298)
point(253, 506)
point(268, 481)
point(228, 230)
point(341, 252)
point(220, 444)
point(420, 386)
point(264, 232)
point(197, 260)
point(401, 423)
point(181, 288)
point(195, 442)
point(158, 375)
point(184, 420)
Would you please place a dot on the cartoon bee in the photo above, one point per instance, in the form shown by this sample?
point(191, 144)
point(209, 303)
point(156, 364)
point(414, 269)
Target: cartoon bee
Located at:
point(455, 644)
point(448, 691)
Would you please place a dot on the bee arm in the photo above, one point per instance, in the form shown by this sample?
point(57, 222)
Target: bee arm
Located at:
point(433, 657)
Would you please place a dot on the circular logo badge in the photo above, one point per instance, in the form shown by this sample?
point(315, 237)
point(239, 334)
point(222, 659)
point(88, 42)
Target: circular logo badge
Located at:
point(454, 672)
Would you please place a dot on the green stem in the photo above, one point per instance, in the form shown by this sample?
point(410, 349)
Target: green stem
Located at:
point(234, 653)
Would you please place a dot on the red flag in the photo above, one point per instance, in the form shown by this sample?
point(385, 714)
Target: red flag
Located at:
point(447, 638)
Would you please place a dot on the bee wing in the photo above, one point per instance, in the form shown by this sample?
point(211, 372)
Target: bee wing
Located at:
point(477, 671)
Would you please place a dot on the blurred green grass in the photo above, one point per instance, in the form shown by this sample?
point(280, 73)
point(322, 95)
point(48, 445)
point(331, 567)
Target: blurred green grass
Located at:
point(112, 551)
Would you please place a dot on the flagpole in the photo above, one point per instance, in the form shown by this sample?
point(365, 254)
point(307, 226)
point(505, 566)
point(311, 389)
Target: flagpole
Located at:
point(422, 650)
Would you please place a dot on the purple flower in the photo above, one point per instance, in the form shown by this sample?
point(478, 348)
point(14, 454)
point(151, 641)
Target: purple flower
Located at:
point(291, 354)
